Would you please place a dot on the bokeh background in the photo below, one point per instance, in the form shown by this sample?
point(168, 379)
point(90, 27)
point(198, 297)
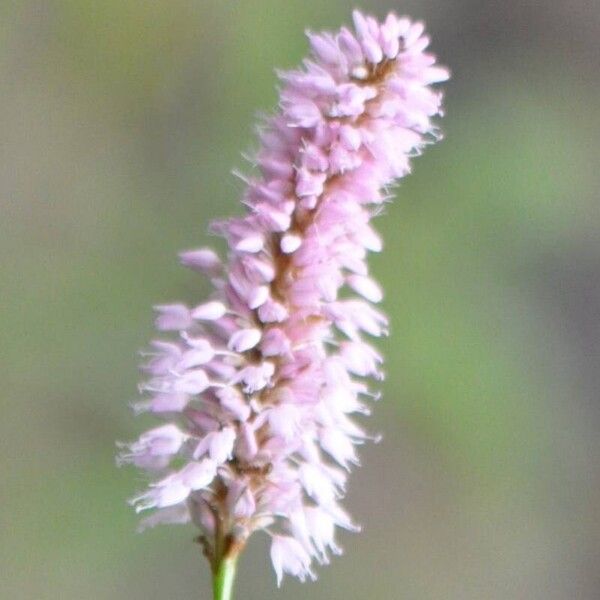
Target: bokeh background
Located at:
point(120, 121)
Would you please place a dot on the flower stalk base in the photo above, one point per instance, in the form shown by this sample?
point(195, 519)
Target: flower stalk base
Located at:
point(223, 579)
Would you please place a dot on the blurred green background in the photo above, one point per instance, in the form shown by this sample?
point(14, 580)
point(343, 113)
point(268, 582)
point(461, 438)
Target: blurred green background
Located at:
point(120, 121)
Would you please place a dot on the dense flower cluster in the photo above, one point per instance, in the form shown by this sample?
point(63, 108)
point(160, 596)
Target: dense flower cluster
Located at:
point(258, 384)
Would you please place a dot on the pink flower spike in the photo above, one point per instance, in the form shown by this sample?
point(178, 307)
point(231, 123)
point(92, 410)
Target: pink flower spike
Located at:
point(259, 387)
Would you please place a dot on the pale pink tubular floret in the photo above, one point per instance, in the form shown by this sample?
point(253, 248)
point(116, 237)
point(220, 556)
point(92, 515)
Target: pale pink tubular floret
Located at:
point(258, 384)
point(289, 556)
point(209, 311)
point(204, 260)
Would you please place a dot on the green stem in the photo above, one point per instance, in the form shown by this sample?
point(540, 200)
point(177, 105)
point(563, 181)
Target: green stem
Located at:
point(223, 578)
